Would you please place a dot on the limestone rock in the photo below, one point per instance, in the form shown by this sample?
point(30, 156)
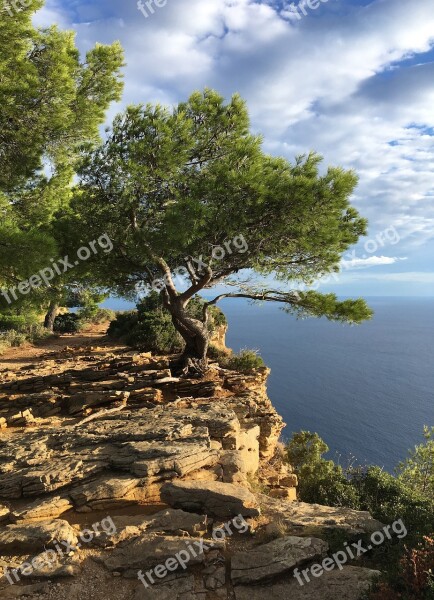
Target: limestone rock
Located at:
point(147, 552)
point(24, 590)
point(213, 498)
point(215, 577)
point(4, 514)
point(51, 565)
point(105, 492)
point(348, 584)
point(35, 536)
point(315, 518)
point(51, 508)
point(180, 587)
point(168, 521)
point(275, 558)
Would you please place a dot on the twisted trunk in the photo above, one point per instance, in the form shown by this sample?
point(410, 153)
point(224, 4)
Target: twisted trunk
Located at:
point(51, 315)
point(196, 336)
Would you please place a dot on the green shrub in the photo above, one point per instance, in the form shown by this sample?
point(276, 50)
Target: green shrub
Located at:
point(215, 353)
point(16, 330)
point(96, 315)
point(150, 327)
point(21, 323)
point(417, 471)
point(387, 498)
point(245, 361)
point(320, 480)
point(67, 323)
point(14, 339)
point(122, 325)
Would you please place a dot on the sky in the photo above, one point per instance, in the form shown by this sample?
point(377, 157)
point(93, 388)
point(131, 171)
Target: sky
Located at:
point(350, 79)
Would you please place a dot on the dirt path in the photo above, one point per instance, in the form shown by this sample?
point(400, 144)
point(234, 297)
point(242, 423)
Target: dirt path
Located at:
point(15, 358)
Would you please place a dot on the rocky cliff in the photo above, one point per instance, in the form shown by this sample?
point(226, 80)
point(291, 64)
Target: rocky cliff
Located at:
point(94, 433)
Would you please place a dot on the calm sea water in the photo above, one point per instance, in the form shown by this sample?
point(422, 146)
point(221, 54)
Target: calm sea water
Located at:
point(367, 390)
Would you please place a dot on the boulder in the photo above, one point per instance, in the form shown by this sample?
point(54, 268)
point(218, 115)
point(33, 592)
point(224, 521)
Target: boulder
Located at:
point(211, 497)
point(147, 552)
point(299, 517)
point(177, 587)
point(24, 590)
point(348, 584)
point(51, 508)
point(168, 521)
point(275, 558)
point(4, 514)
point(35, 537)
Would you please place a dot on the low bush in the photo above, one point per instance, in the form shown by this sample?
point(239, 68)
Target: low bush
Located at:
point(122, 325)
point(67, 323)
point(12, 338)
point(150, 327)
point(245, 361)
point(321, 480)
point(19, 323)
point(96, 315)
point(407, 569)
point(217, 354)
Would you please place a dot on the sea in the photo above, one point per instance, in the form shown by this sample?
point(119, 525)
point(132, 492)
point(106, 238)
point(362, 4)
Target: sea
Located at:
point(367, 390)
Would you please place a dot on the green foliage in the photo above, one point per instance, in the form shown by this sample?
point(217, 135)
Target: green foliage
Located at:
point(150, 328)
point(245, 361)
point(122, 325)
point(173, 184)
point(217, 354)
point(96, 316)
point(21, 323)
point(88, 301)
point(12, 338)
point(67, 323)
point(417, 472)
point(320, 480)
point(388, 499)
point(154, 331)
point(51, 103)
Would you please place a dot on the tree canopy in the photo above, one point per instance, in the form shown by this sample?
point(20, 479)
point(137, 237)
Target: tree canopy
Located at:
point(51, 103)
point(172, 185)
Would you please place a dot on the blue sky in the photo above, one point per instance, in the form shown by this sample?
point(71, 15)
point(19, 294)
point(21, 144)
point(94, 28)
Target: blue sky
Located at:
point(353, 80)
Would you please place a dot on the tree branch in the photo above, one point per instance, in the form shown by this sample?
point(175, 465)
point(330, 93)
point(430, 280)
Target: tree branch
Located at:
point(187, 295)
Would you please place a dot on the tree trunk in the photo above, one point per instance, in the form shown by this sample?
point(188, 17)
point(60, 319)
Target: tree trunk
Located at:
point(195, 334)
point(51, 315)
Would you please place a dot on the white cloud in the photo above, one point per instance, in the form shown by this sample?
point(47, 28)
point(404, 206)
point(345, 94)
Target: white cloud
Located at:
point(372, 261)
point(404, 277)
point(334, 82)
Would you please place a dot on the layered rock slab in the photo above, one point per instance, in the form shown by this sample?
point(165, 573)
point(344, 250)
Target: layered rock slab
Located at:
point(108, 458)
point(305, 518)
point(348, 584)
point(223, 500)
point(275, 558)
point(35, 537)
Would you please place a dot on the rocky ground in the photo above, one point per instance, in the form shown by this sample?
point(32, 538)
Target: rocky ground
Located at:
point(109, 466)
